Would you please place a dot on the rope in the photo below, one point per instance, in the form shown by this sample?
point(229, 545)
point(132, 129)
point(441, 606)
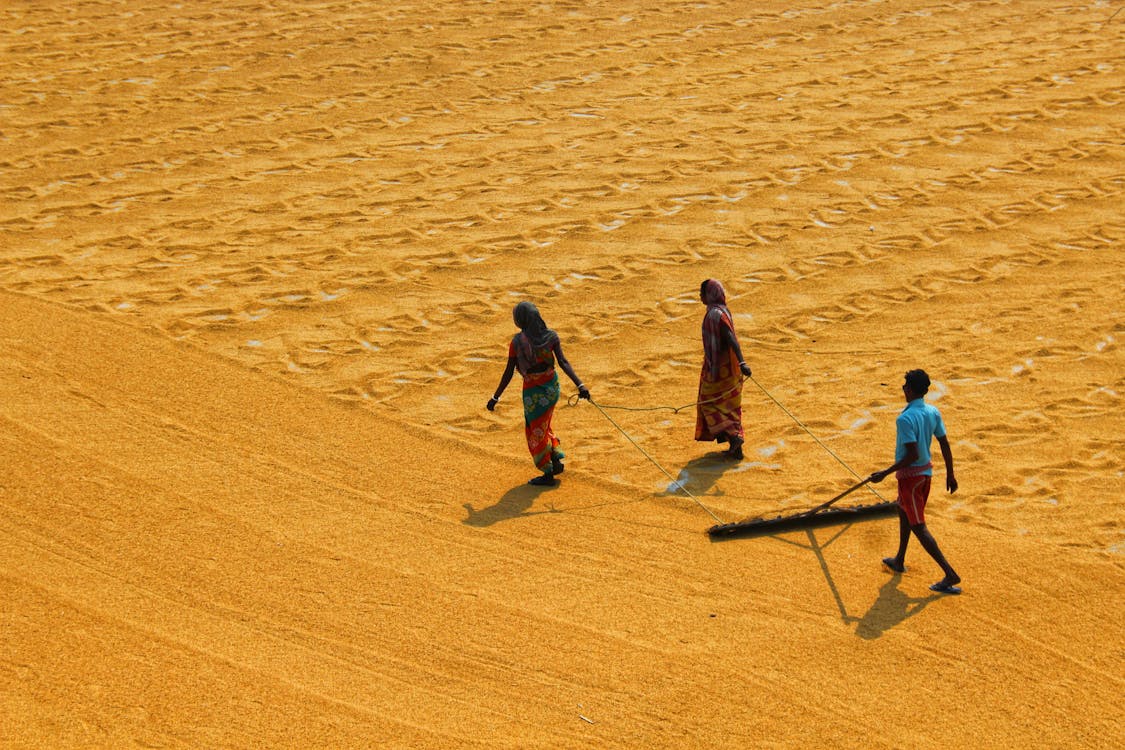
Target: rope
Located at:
point(573, 401)
point(675, 481)
point(814, 437)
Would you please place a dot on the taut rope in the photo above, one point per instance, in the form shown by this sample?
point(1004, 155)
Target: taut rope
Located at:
point(675, 481)
point(573, 400)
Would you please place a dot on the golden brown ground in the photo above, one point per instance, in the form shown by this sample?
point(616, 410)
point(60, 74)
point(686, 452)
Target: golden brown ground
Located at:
point(257, 262)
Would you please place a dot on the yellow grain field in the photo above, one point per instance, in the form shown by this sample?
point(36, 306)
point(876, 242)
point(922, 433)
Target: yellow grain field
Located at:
point(257, 266)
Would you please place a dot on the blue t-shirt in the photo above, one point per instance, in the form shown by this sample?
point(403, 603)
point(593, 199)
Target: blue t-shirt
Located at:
point(918, 423)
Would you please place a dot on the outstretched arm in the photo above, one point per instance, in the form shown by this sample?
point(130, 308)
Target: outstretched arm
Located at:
point(947, 456)
point(504, 380)
point(564, 363)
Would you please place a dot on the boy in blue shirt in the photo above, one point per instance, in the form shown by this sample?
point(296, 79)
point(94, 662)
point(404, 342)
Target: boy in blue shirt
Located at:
point(915, 426)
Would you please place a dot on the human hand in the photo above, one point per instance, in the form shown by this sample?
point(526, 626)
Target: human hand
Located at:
point(877, 477)
point(492, 404)
point(745, 368)
point(950, 483)
point(583, 392)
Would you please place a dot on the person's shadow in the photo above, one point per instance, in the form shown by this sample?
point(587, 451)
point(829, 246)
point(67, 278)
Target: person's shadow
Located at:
point(701, 474)
point(513, 504)
point(890, 608)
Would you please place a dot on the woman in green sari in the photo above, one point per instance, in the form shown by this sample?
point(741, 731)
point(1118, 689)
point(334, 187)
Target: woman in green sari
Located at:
point(534, 351)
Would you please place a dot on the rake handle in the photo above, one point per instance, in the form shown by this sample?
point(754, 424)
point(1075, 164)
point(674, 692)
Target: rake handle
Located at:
point(841, 496)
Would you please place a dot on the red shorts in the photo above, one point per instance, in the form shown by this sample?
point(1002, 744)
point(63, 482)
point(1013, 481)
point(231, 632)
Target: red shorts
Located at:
point(913, 492)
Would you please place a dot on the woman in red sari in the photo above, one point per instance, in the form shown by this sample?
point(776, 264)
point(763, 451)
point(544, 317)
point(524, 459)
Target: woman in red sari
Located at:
point(534, 351)
point(718, 414)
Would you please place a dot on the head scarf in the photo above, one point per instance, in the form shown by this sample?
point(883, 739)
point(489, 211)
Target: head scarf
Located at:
point(714, 294)
point(535, 333)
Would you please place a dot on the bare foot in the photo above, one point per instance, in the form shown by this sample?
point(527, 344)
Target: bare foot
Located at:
point(735, 450)
point(544, 480)
point(948, 585)
point(894, 564)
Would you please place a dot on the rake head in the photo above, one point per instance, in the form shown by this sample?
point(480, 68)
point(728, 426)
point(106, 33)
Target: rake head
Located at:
point(806, 520)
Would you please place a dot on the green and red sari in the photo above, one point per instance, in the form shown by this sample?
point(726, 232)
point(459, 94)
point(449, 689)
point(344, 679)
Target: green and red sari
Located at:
point(540, 395)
